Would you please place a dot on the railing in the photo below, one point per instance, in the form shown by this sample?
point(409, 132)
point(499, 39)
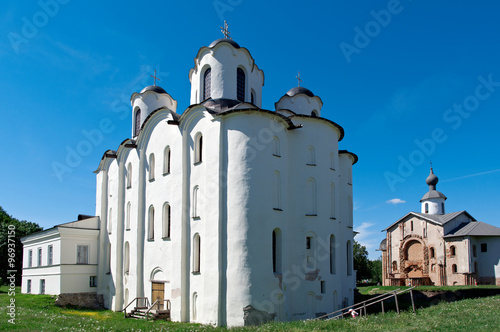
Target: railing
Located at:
point(363, 305)
point(157, 303)
point(137, 306)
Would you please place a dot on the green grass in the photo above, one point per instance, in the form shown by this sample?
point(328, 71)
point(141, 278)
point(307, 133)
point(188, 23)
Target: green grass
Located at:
point(38, 313)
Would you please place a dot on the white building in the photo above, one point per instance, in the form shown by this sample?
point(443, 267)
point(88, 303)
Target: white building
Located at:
point(232, 212)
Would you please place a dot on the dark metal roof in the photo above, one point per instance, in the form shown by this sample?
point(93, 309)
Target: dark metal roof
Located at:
point(322, 119)
point(299, 89)
point(477, 228)
point(220, 104)
point(439, 219)
point(433, 194)
point(230, 41)
point(155, 88)
point(352, 154)
point(383, 245)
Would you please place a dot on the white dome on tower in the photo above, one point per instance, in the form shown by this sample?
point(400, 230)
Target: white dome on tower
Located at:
point(300, 100)
point(433, 200)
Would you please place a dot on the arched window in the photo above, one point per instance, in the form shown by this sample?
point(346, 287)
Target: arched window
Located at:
point(452, 251)
point(474, 250)
point(195, 202)
point(311, 251)
point(442, 208)
point(198, 148)
point(426, 208)
point(314, 114)
point(311, 197)
point(151, 167)
point(333, 268)
point(394, 266)
point(196, 253)
point(129, 175)
point(207, 86)
point(432, 253)
point(166, 160)
point(349, 258)
point(240, 85)
point(126, 268)
point(332, 200)
point(137, 126)
point(151, 223)
point(110, 221)
point(127, 217)
point(277, 191)
point(276, 146)
point(454, 268)
point(195, 306)
point(277, 249)
point(166, 221)
point(311, 157)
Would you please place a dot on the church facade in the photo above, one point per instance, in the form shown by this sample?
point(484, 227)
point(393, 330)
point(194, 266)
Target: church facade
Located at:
point(234, 213)
point(437, 248)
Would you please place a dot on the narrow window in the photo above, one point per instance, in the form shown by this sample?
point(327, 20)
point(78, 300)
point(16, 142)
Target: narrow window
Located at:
point(151, 167)
point(127, 221)
point(241, 85)
point(110, 221)
point(277, 251)
point(332, 254)
point(432, 253)
point(394, 266)
point(276, 147)
point(166, 221)
point(311, 197)
point(454, 268)
point(332, 200)
point(198, 148)
point(195, 306)
point(442, 208)
point(127, 258)
point(39, 257)
point(349, 258)
point(30, 258)
point(314, 114)
point(82, 254)
point(195, 202)
point(42, 286)
point(411, 225)
point(323, 287)
point(49, 255)
point(129, 175)
point(207, 84)
point(308, 242)
point(475, 268)
point(137, 127)
point(109, 258)
point(452, 251)
point(332, 161)
point(93, 281)
point(166, 161)
point(252, 95)
point(196, 252)
point(311, 251)
point(28, 287)
point(484, 247)
point(474, 251)
point(277, 191)
point(151, 223)
point(426, 206)
point(311, 157)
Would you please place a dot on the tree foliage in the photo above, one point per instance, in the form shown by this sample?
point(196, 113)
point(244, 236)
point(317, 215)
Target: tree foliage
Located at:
point(366, 269)
point(13, 229)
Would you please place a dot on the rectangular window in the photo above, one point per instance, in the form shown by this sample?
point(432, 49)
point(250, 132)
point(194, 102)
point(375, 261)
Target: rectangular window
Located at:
point(49, 255)
point(308, 243)
point(39, 257)
point(323, 287)
point(28, 287)
point(93, 281)
point(42, 286)
point(484, 247)
point(30, 258)
point(82, 254)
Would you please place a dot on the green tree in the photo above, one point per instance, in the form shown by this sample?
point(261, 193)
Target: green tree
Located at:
point(376, 270)
point(361, 262)
point(11, 232)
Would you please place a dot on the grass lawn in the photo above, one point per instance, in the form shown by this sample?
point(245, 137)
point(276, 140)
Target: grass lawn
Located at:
point(38, 313)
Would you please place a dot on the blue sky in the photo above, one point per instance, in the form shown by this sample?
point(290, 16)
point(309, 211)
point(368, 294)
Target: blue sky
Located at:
point(409, 81)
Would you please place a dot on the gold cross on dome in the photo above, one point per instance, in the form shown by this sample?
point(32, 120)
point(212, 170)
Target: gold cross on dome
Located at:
point(298, 78)
point(155, 78)
point(225, 30)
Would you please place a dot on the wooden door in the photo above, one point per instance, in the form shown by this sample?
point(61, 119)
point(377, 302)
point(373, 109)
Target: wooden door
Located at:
point(158, 293)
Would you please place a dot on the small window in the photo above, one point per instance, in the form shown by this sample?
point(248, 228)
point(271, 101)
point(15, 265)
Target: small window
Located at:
point(129, 175)
point(127, 258)
point(432, 253)
point(394, 266)
point(109, 259)
point(332, 161)
point(198, 148)
point(39, 257)
point(151, 223)
point(93, 281)
point(323, 287)
point(454, 268)
point(277, 192)
point(332, 254)
point(30, 258)
point(28, 287)
point(195, 203)
point(442, 208)
point(137, 126)
point(151, 167)
point(166, 161)
point(411, 225)
point(207, 84)
point(49, 255)
point(314, 114)
point(252, 95)
point(240, 85)
point(484, 247)
point(311, 157)
point(166, 221)
point(277, 246)
point(276, 147)
point(196, 252)
point(82, 254)
point(474, 251)
point(127, 217)
point(452, 251)
point(426, 207)
point(308, 242)
point(42, 286)
point(110, 221)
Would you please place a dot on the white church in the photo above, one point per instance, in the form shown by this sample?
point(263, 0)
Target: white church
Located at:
point(235, 214)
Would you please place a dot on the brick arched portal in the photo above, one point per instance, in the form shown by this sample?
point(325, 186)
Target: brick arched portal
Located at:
point(414, 258)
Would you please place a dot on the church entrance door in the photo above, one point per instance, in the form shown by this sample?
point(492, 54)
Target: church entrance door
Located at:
point(158, 293)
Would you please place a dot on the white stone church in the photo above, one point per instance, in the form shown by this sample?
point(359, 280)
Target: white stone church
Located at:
point(234, 213)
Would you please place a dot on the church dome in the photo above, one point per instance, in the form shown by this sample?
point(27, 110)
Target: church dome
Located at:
point(299, 89)
point(226, 40)
point(432, 179)
point(154, 88)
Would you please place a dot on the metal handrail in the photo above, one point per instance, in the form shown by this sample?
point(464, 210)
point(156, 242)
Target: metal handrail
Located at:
point(157, 301)
point(136, 300)
point(367, 303)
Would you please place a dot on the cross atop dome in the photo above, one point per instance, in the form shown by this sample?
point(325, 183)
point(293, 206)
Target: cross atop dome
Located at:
point(155, 78)
point(298, 78)
point(225, 30)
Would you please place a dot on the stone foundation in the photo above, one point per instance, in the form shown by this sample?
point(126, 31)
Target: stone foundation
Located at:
point(84, 300)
